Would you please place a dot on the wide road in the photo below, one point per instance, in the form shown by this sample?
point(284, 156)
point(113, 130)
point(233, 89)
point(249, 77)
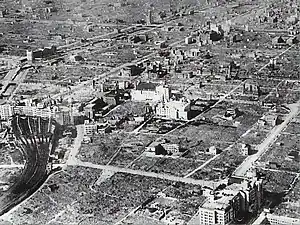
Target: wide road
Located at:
point(271, 138)
point(77, 143)
point(164, 176)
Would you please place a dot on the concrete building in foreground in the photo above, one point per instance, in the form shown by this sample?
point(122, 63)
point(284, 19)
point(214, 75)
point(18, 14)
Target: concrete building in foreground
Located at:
point(281, 220)
point(221, 208)
point(268, 218)
point(225, 206)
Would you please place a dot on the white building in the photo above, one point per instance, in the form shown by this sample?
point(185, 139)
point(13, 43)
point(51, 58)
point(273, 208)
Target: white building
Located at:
point(223, 207)
point(92, 128)
point(34, 111)
point(150, 92)
point(194, 52)
point(282, 220)
point(171, 148)
point(168, 148)
point(174, 109)
point(6, 111)
point(212, 150)
point(220, 209)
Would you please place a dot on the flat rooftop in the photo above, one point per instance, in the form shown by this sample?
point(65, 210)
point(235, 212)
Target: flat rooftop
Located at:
point(146, 86)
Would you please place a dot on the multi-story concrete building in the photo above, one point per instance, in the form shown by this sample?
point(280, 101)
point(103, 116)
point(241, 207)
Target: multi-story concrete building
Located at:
point(6, 111)
point(150, 92)
point(93, 107)
point(92, 128)
point(34, 111)
point(281, 220)
point(41, 53)
point(64, 117)
point(171, 148)
point(174, 109)
point(149, 17)
point(223, 207)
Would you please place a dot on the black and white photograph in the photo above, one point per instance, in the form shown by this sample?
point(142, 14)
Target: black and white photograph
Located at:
point(149, 112)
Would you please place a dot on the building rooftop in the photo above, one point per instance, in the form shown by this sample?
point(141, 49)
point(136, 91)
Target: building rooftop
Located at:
point(219, 204)
point(177, 104)
point(146, 86)
point(221, 199)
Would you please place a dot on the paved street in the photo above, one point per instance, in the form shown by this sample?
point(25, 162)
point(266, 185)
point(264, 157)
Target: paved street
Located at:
point(271, 138)
point(146, 173)
point(77, 143)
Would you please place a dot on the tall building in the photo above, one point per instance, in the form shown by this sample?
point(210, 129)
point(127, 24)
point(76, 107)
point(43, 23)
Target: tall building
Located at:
point(64, 118)
point(150, 92)
point(223, 207)
point(34, 111)
point(173, 109)
point(6, 111)
point(90, 128)
point(220, 208)
point(149, 18)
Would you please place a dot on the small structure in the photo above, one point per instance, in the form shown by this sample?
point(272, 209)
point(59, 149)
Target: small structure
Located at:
point(92, 128)
point(149, 17)
point(293, 155)
point(262, 122)
point(139, 38)
point(131, 70)
point(164, 148)
point(237, 38)
point(171, 148)
point(292, 40)
point(112, 98)
point(189, 40)
point(76, 58)
point(292, 19)
point(246, 149)
point(215, 36)
point(89, 28)
point(93, 107)
point(251, 89)
point(194, 52)
point(278, 41)
point(273, 165)
point(64, 117)
point(2, 13)
point(212, 150)
point(232, 113)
